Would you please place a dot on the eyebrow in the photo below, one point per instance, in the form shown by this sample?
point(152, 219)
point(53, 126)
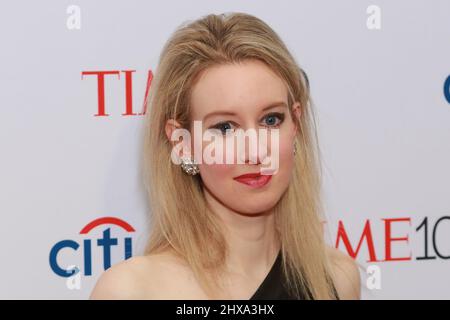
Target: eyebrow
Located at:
point(229, 113)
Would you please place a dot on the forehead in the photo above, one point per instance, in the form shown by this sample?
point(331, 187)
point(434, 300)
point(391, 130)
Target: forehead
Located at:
point(238, 88)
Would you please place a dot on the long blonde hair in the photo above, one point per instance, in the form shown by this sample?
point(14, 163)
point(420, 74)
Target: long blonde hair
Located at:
point(180, 217)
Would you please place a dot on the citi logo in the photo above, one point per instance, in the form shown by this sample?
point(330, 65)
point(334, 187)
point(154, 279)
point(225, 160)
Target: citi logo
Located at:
point(106, 242)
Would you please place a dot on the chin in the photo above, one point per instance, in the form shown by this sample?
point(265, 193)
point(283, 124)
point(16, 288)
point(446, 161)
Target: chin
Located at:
point(256, 206)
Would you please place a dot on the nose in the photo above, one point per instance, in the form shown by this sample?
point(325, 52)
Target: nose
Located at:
point(252, 146)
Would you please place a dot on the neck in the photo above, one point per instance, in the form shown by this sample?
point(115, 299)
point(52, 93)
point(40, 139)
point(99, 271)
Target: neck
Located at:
point(251, 239)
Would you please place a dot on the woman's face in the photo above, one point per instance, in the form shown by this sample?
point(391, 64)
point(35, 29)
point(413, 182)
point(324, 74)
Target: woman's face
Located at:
point(236, 97)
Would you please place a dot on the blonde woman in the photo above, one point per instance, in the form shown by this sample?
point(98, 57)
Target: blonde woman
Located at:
point(228, 230)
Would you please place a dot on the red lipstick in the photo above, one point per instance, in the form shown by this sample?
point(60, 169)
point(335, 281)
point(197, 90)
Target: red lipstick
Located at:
point(254, 180)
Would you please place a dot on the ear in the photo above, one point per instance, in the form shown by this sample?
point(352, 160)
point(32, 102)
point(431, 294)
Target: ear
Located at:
point(170, 127)
point(296, 112)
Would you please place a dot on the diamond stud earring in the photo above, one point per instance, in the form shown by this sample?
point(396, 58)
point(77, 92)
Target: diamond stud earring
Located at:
point(189, 166)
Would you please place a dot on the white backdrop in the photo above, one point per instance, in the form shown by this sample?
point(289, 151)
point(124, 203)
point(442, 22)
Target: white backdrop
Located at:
point(383, 118)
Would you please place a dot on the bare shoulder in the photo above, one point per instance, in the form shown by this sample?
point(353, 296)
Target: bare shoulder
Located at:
point(346, 275)
point(139, 277)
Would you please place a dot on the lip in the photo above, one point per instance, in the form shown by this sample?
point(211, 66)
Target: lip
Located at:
point(254, 180)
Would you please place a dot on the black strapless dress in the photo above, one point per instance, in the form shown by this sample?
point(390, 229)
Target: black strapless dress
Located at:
point(273, 286)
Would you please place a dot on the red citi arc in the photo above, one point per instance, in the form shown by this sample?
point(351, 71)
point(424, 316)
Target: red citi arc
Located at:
point(254, 180)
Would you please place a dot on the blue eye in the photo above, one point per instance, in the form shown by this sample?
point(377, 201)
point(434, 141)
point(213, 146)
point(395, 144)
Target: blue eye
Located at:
point(271, 119)
point(224, 127)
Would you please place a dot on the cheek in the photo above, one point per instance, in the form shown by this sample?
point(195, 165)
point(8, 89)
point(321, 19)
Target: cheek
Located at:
point(286, 150)
point(286, 159)
point(215, 174)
